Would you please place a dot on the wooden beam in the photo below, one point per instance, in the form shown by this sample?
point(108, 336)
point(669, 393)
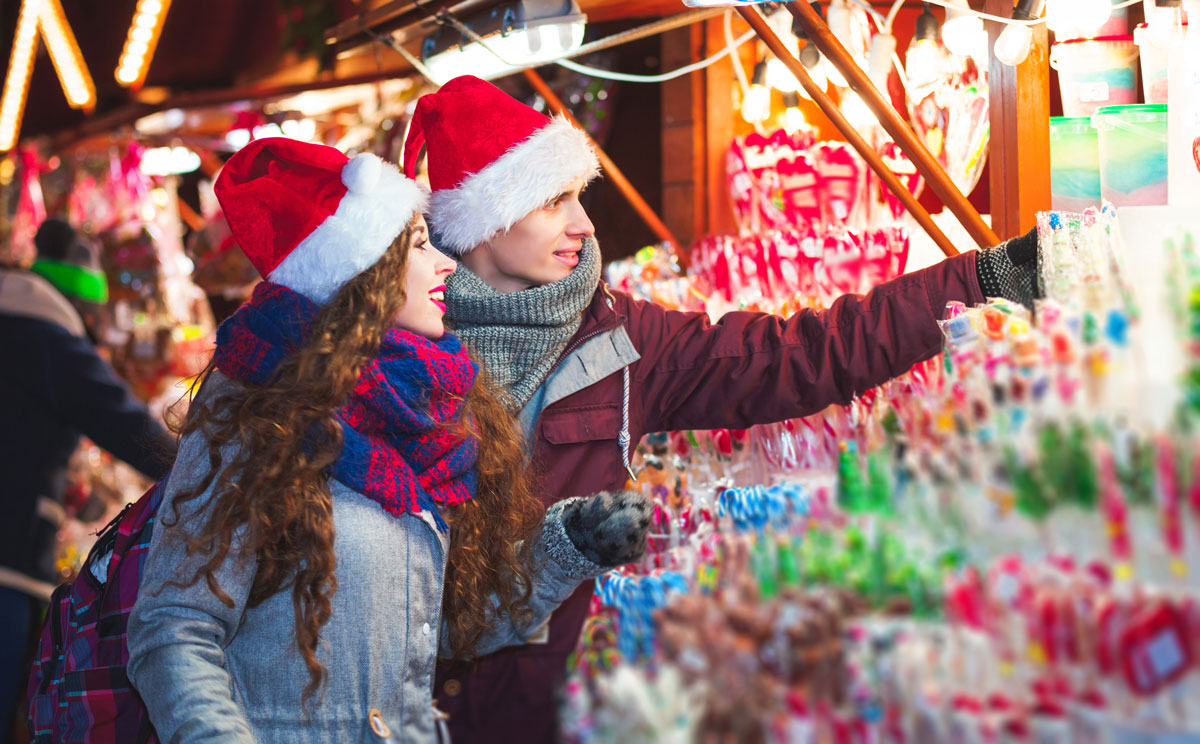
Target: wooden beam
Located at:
point(864, 149)
point(610, 168)
point(127, 115)
point(718, 129)
point(1019, 145)
point(683, 144)
point(819, 34)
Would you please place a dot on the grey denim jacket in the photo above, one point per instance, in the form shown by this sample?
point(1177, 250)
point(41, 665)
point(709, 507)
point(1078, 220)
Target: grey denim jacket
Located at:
point(215, 673)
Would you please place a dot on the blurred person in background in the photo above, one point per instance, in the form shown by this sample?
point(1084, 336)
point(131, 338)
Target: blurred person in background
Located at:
point(54, 389)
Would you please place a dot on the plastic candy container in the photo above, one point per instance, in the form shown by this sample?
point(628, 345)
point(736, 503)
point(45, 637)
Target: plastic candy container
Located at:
point(1074, 164)
point(1133, 154)
point(1095, 72)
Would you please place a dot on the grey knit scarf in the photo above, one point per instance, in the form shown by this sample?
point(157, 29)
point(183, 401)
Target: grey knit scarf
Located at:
point(520, 335)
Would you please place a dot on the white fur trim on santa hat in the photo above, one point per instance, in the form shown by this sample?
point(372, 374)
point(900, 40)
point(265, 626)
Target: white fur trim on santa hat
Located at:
point(524, 178)
point(378, 205)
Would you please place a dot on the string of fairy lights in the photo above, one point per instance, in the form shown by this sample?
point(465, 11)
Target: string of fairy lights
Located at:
point(44, 20)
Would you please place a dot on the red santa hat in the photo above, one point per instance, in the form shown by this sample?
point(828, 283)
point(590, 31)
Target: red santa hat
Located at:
point(310, 218)
point(492, 160)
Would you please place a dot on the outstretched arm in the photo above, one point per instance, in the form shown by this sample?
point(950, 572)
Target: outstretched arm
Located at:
point(755, 368)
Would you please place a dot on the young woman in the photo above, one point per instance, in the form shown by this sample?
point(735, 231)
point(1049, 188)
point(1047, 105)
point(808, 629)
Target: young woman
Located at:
point(348, 497)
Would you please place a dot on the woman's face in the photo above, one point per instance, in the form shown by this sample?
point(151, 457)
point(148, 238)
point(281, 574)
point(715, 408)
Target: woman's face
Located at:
point(424, 287)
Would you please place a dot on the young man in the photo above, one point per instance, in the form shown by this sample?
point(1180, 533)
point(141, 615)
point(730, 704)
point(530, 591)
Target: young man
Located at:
point(591, 370)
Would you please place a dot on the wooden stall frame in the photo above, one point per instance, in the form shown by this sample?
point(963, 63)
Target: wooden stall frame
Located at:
point(820, 34)
point(864, 149)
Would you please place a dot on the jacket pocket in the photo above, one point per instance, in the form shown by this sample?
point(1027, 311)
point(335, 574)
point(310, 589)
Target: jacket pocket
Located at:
point(583, 424)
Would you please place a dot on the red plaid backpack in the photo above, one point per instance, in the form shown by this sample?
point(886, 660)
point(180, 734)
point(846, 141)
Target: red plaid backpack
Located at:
point(78, 690)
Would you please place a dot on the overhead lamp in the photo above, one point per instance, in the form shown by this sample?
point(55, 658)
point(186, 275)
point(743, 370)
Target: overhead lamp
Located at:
point(141, 41)
point(514, 35)
point(756, 106)
point(68, 61)
point(16, 81)
point(923, 58)
point(963, 32)
point(1013, 45)
point(168, 161)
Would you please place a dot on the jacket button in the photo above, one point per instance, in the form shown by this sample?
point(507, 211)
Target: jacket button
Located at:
point(425, 628)
point(378, 726)
point(452, 687)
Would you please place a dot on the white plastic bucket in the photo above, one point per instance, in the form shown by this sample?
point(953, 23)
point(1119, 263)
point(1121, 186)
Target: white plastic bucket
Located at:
point(1154, 65)
point(1095, 72)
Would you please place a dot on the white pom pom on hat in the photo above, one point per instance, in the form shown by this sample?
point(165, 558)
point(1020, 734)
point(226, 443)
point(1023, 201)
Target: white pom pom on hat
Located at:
point(308, 217)
point(362, 173)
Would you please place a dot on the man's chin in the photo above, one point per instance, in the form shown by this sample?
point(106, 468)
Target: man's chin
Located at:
point(550, 275)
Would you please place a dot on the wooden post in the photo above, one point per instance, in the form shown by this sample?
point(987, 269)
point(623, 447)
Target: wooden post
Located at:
point(719, 116)
point(818, 33)
point(1019, 148)
point(759, 24)
point(683, 153)
point(614, 173)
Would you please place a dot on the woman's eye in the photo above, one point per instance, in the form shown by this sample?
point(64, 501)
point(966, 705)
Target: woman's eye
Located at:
point(422, 245)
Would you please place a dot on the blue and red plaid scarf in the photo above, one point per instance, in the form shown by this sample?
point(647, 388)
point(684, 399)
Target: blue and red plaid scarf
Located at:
point(398, 449)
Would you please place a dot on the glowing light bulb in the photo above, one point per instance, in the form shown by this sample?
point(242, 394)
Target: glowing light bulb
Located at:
point(1070, 19)
point(963, 33)
point(857, 112)
point(883, 46)
point(756, 106)
point(793, 117)
point(811, 58)
point(780, 77)
point(1013, 45)
point(923, 62)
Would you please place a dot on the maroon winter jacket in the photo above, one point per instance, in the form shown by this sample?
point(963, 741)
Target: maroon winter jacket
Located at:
point(747, 369)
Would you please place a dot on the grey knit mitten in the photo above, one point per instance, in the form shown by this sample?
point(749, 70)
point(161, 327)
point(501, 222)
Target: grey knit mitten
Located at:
point(609, 529)
point(1010, 270)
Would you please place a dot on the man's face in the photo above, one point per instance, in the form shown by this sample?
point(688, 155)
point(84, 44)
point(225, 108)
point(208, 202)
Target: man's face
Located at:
point(542, 248)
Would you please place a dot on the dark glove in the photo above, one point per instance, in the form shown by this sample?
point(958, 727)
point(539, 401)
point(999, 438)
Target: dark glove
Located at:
point(609, 529)
point(1010, 270)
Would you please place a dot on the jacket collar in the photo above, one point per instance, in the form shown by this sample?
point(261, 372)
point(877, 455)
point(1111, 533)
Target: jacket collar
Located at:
point(27, 294)
point(598, 316)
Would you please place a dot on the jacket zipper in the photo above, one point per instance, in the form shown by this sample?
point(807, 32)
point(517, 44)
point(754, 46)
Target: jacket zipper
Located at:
point(623, 437)
point(580, 341)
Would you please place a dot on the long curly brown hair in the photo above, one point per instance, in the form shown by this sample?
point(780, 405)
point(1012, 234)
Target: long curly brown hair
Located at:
point(276, 487)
